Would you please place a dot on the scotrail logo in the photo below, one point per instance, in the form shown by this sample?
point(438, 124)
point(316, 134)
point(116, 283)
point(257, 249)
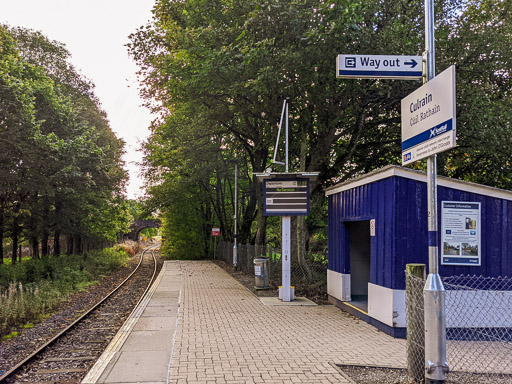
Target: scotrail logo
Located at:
point(407, 156)
point(438, 130)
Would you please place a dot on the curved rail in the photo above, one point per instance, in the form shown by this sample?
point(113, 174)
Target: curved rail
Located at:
point(29, 358)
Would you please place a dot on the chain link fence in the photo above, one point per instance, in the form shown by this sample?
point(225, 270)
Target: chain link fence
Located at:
point(415, 328)
point(478, 329)
point(309, 275)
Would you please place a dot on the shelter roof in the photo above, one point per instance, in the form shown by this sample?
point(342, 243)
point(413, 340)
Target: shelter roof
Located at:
point(394, 170)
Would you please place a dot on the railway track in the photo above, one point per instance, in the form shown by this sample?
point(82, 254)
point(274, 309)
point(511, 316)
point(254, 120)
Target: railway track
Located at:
point(68, 356)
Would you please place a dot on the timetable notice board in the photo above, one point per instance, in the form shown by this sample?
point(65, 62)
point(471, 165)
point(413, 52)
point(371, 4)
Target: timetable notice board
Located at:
point(460, 233)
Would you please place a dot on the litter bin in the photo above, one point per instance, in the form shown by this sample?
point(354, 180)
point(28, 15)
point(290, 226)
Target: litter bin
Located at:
point(261, 273)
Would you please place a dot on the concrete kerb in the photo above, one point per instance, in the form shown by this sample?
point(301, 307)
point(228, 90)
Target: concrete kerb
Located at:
point(117, 342)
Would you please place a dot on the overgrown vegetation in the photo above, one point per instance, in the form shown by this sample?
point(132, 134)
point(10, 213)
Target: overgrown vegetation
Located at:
point(31, 289)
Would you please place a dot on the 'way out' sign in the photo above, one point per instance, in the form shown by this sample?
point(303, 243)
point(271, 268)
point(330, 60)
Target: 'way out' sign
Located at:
point(379, 67)
point(428, 118)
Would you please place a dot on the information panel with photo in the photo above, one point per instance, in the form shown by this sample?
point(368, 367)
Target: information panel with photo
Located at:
point(460, 233)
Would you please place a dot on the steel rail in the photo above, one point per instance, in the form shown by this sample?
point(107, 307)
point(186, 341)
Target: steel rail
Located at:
point(34, 354)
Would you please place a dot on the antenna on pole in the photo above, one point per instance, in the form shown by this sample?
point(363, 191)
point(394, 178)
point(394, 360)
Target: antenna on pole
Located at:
point(283, 114)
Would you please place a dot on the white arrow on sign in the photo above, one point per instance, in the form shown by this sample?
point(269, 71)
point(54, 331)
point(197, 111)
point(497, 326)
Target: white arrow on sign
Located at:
point(379, 67)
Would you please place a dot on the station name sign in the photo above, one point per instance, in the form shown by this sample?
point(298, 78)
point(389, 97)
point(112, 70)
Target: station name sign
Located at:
point(428, 118)
point(286, 197)
point(379, 67)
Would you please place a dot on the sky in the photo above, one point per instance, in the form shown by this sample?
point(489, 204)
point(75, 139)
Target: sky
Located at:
point(95, 32)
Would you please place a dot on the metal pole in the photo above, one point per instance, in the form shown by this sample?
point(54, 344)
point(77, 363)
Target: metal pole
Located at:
point(285, 258)
point(286, 138)
point(285, 293)
point(235, 247)
point(434, 293)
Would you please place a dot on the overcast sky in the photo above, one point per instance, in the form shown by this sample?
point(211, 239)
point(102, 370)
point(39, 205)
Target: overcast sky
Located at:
point(95, 32)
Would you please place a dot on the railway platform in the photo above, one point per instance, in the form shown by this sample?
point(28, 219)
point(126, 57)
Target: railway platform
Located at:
point(200, 325)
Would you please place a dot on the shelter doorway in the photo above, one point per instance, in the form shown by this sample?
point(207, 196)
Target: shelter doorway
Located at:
point(359, 235)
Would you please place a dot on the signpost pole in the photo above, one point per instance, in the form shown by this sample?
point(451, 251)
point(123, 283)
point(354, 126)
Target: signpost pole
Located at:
point(434, 293)
point(285, 258)
point(286, 139)
point(235, 248)
point(286, 232)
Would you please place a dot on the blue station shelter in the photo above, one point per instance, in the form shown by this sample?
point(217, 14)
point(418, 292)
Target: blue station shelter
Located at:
point(378, 224)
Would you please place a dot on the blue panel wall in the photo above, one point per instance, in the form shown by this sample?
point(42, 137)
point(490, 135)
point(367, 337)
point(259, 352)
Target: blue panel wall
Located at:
point(412, 232)
point(412, 227)
point(370, 201)
point(399, 206)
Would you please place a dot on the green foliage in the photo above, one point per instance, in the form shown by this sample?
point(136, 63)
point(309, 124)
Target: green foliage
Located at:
point(61, 169)
point(10, 336)
point(149, 232)
point(182, 229)
point(217, 72)
point(31, 289)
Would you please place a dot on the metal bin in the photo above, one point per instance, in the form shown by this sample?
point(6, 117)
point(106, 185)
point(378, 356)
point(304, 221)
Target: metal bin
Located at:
point(261, 273)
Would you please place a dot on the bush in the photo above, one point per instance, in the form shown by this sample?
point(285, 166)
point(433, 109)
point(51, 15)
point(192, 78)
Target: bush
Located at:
point(33, 288)
point(129, 246)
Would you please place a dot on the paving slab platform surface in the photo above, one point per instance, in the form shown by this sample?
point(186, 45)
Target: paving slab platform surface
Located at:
point(202, 326)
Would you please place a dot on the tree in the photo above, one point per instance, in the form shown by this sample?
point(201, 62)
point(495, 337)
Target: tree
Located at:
point(218, 71)
point(63, 162)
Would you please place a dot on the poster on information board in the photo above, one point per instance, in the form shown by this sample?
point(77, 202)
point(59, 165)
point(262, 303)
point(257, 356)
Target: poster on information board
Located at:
point(460, 233)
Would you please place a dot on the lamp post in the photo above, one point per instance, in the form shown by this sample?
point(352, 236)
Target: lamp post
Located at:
point(235, 248)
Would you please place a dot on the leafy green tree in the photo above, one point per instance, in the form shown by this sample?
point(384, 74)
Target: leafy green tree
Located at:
point(218, 71)
point(62, 172)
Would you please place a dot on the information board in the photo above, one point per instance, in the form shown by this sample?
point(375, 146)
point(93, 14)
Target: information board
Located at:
point(460, 233)
point(286, 197)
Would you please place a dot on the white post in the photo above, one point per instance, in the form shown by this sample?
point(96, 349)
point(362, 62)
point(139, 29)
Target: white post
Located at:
point(434, 293)
point(235, 248)
point(285, 258)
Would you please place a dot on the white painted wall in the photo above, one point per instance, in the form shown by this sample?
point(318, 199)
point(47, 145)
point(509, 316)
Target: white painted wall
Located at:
point(387, 305)
point(338, 285)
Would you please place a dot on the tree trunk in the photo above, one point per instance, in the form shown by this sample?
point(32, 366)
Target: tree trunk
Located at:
point(44, 243)
point(1, 234)
point(46, 234)
point(34, 247)
point(15, 232)
point(69, 245)
point(56, 243)
point(56, 236)
point(78, 245)
point(246, 218)
point(301, 220)
point(293, 239)
point(14, 237)
point(301, 246)
point(261, 218)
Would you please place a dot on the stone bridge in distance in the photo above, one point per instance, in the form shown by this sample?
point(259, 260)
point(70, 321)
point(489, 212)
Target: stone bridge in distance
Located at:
point(139, 225)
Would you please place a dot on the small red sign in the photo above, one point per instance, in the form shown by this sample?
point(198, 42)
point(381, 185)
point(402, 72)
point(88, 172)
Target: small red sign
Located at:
point(215, 231)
